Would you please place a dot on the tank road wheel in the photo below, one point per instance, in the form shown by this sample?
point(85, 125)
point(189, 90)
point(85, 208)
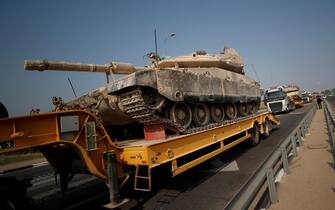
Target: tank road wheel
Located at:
point(242, 109)
point(181, 113)
point(255, 137)
point(201, 115)
point(254, 107)
point(217, 112)
point(251, 108)
point(257, 105)
point(231, 111)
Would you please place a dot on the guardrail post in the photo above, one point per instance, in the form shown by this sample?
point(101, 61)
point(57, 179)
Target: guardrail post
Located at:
point(299, 137)
point(332, 134)
point(305, 127)
point(284, 159)
point(330, 131)
point(302, 132)
point(294, 146)
point(271, 185)
point(329, 126)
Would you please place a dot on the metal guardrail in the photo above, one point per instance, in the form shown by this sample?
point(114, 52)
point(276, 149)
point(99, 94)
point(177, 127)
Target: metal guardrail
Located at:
point(330, 119)
point(252, 191)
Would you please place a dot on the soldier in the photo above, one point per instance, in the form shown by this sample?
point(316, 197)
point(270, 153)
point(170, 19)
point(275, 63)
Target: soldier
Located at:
point(319, 100)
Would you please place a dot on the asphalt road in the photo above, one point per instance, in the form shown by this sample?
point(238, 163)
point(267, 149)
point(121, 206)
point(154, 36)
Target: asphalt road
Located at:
point(210, 185)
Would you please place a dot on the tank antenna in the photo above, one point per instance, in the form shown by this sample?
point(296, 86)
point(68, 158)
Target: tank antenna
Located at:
point(156, 51)
point(107, 77)
point(74, 92)
point(253, 68)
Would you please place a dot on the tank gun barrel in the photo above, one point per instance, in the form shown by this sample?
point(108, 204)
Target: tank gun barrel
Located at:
point(109, 68)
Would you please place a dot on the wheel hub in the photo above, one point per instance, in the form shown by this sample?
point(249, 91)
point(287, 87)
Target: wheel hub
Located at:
point(217, 112)
point(181, 114)
point(201, 113)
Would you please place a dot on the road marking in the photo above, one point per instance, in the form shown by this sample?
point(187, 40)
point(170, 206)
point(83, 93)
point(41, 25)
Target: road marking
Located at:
point(232, 166)
point(40, 164)
point(220, 167)
point(296, 113)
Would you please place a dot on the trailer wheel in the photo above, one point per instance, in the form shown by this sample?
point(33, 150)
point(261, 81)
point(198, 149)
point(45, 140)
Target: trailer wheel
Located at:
point(3, 111)
point(266, 128)
point(255, 137)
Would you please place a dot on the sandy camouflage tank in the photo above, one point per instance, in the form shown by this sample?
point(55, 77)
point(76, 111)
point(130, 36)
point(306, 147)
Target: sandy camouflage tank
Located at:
point(181, 93)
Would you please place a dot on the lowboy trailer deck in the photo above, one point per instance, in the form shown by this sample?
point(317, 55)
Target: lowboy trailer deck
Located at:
point(76, 142)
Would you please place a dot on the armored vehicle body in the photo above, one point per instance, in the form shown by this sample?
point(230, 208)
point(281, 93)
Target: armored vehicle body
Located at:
point(180, 93)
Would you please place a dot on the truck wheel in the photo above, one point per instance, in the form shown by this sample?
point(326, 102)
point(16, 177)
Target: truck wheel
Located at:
point(266, 128)
point(255, 137)
point(3, 111)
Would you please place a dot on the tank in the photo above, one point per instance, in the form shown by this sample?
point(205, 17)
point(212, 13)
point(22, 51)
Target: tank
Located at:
point(181, 93)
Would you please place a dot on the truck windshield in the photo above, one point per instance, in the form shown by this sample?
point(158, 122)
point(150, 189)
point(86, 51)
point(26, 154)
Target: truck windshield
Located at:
point(276, 95)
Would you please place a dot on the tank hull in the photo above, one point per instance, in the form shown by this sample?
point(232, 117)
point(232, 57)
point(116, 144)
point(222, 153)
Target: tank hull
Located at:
point(193, 85)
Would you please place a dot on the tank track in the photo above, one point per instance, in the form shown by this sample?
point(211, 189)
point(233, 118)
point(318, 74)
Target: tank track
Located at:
point(133, 104)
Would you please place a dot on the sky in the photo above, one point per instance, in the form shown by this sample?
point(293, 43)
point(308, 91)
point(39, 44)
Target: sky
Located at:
point(281, 42)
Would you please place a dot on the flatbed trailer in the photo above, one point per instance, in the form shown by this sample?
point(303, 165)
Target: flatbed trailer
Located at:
point(76, 142)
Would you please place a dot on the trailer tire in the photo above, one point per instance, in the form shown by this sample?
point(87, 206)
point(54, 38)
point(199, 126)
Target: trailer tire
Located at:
point(266, 129)
point(255, 135)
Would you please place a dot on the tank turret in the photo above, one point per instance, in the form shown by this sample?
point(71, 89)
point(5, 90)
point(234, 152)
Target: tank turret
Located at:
point(229, 60)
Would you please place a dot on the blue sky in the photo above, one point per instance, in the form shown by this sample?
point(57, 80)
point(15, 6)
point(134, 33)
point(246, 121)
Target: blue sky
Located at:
point(287, 42)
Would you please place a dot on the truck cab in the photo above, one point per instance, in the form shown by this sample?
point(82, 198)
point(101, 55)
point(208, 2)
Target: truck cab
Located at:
point(306, 97)
point(277, 101)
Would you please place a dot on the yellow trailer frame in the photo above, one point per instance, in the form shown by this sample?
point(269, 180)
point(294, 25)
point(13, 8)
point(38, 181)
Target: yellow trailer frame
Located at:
point(57, 133)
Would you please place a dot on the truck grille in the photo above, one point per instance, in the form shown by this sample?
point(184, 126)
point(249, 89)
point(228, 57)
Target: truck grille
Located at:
point(276, 107)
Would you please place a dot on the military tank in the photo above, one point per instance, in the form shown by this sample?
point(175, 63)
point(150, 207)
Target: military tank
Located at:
point(181, 92)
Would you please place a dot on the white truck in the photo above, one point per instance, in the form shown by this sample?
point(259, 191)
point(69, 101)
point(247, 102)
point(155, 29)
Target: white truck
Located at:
point(277, 100)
